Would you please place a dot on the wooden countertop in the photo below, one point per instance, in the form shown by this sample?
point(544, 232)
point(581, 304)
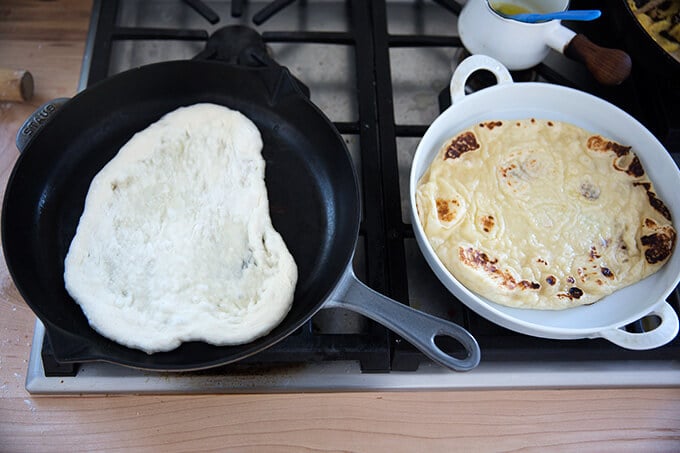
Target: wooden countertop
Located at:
point(47, 38)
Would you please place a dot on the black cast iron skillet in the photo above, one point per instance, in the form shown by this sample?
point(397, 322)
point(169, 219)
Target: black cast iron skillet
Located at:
point(310, 179)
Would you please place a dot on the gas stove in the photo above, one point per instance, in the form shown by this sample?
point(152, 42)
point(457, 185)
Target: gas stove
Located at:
point(380, 71)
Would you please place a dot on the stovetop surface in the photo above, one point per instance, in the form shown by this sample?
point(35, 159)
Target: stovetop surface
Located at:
point(380, 71)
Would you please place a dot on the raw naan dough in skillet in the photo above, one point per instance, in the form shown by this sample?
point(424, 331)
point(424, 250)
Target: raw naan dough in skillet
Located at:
point(175, 242)
point(542, 214)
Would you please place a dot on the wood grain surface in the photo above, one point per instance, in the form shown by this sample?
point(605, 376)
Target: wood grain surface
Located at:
point(47, 38)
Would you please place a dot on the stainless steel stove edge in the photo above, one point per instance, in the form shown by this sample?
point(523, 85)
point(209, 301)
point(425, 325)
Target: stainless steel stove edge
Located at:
point(104, 378)
point(89, 45)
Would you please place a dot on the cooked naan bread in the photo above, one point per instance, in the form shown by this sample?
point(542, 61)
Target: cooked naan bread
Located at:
point(542, 214)
point(175, 242)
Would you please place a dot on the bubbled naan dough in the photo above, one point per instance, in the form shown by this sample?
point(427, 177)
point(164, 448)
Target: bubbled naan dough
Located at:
point(542, 214)
point(175, 242)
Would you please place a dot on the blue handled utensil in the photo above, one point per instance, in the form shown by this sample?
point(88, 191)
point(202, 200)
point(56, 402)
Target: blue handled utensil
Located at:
point(578, 15)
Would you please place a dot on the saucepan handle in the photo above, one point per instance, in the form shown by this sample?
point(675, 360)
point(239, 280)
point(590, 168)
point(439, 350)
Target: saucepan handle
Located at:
point(37, 121)
point(418, 328)
point(607, 66)
point(662, 334)
point(471, 65)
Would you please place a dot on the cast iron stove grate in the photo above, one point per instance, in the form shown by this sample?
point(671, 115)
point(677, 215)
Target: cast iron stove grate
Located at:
point(386, 239)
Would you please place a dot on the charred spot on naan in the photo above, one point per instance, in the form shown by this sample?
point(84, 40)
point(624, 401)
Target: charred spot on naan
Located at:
point(595, 265)
point(634, 168)
point(521, 169)
point(654, 201)
point(491, 124)
point(447, 210)
point(625, 161)
point(594, 254)
point(590, 273)
point(487, 222)
point(478, 260)
point(597, 143)
point(461, 144)
point(607, 272)
point(572, 293)
point(659, 244)
point(514, 176)
point(622, 251)
point(589, 190)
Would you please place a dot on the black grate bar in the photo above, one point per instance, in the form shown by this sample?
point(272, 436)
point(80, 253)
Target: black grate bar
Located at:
point(396, 259)
point(101, 50)
point(410, 130)
point(553, 76)
point(347, 127)
point(450, 5)
point(268, 11)
point(424, 41)
point(237, 8)
point(373, 225)
point(318, 37)
point(370, 149)
point(397, 277)
point(204, 10)
point(135, 33)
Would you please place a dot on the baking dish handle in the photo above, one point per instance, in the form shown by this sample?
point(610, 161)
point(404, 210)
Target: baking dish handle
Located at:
point(418, 328)
point(662, 334)
point(471, 65)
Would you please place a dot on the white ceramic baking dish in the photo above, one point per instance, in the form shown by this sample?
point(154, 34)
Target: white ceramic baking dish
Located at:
point(508, 100)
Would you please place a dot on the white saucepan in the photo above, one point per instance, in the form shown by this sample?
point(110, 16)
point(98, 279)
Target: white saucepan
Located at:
point(508, 100)
point(521, 45)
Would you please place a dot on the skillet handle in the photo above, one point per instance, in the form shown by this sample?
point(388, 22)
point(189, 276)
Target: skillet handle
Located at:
point(662, 334)
point(418, 328)
point(37, 121)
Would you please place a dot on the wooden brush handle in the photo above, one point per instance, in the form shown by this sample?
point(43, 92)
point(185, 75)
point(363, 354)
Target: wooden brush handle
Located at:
point(608, 66)
point(15, 85)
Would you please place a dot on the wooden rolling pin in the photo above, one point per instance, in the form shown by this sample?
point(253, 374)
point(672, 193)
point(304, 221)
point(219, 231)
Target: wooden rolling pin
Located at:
point(16, 85)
